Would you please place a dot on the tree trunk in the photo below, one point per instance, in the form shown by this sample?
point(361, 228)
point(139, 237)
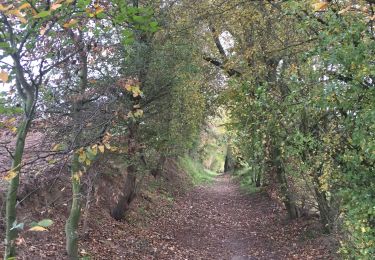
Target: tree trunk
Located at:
point(229, 163)
point(11, 199)
point(324, 207)
point(287, 196)
point(128, 195)
point(324, 210)
point(71, 225)
point(257, 179)
point(158, 170)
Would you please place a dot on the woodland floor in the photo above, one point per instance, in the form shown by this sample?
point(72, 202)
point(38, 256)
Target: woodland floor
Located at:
point(215, 221)
point(221, 222)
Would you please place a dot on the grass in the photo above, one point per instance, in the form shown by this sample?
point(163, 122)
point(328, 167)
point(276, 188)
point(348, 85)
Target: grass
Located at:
point(197, 172)
point(249, 188)
point(243, 175)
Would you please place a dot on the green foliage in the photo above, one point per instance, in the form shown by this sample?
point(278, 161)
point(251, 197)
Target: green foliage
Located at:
point(43, 223)
point(300, 103)
point(303, 107)
point(199, 175)
point(246, 178)
point(6, 108)
point(177, 102)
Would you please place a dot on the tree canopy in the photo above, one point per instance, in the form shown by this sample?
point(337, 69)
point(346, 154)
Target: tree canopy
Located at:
point(292, 82)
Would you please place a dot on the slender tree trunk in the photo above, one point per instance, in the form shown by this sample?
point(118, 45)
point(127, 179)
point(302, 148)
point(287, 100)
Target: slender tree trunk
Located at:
point(257, 179)
point(321, 198)
point(71, 226)
point(324, 210)
point(229, 162)
point(90, 190)
point(11, 199)
point(287, 196)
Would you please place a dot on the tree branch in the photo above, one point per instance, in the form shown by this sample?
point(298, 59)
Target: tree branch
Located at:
point(219, 64)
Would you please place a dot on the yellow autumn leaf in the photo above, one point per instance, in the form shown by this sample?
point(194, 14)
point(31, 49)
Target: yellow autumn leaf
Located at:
point(82, 157)
point(13, 129)
point(138, 113)
point(70, 24)
point(18, 14)
point(10, 175)
point(113, 149)
point(94, 149)
point(128, 88)
point(136, 91)
point(101, 148)
point(15, 12)
point(56, 147)
point(4, 8)
point(77, 176)
point(88, 162)
point(98, 10)
point(24, 6)
point(4, 76)
point(38, 228)
point(320, 6)
point(11, 120)
point(108, 146)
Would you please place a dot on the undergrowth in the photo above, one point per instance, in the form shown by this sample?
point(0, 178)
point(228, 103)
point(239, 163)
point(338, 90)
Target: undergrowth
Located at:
point(199, 175)
point(243, 175)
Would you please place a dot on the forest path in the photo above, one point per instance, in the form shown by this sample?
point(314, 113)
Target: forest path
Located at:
point(218, 221)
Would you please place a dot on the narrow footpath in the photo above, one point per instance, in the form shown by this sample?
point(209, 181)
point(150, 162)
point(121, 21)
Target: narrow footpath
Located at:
point(215, 221)
point(218, 221)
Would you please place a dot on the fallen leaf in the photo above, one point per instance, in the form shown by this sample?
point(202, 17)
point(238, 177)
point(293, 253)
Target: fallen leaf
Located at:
point(70, 24)
point(24, 6)
point(55, 6)
point(4, 76)
point(10, 175)
point(38, 228)
point(320, 6)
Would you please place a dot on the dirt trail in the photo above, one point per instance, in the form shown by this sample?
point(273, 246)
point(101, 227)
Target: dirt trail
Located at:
point(216, 221)
point(220, 222)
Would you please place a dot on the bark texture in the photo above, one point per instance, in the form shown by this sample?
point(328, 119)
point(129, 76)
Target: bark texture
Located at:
point(71, 226)
point(11, 199)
